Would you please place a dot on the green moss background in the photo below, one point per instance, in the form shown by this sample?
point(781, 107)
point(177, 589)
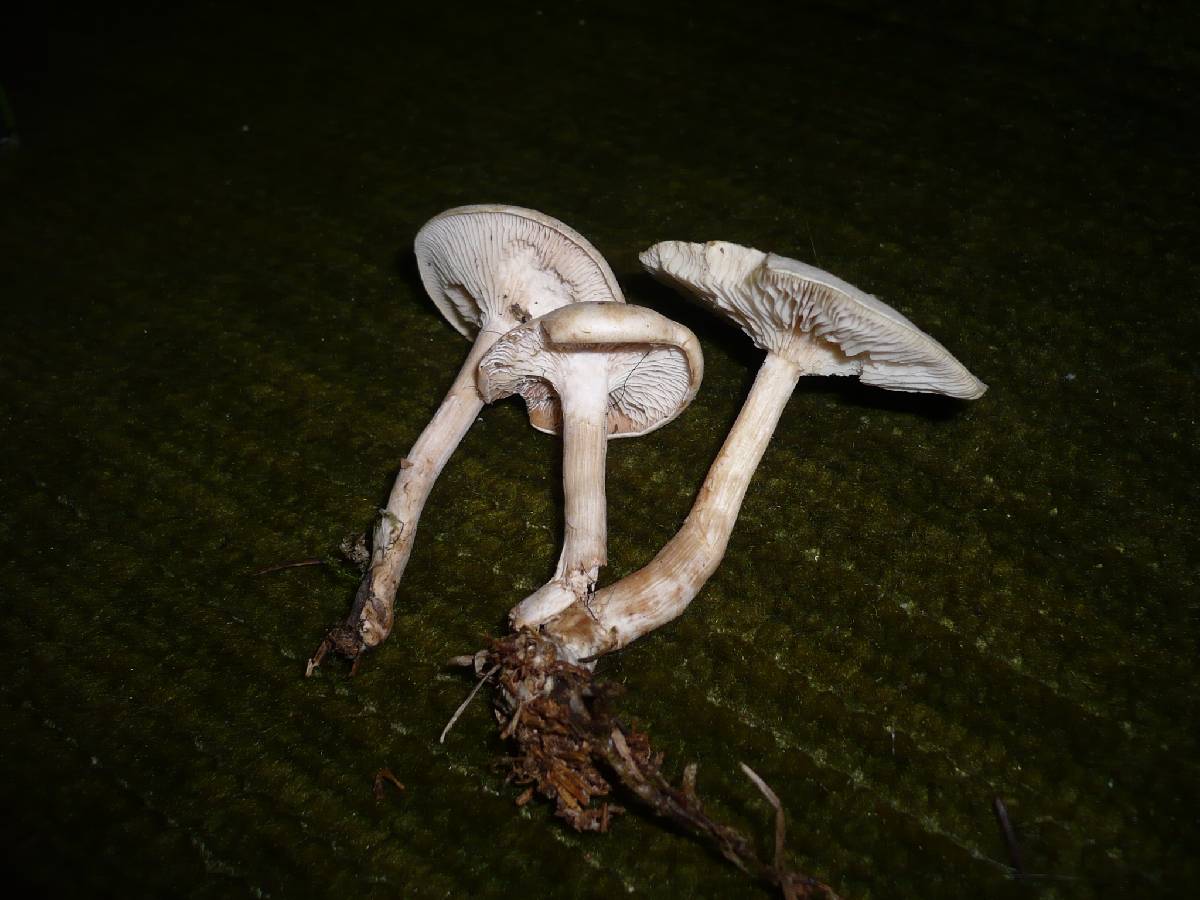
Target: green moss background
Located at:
point(214, 350)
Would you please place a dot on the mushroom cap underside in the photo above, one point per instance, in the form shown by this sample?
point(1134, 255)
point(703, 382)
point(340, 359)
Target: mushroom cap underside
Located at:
point(813, 318)
point(652, 366)
point(480, 263)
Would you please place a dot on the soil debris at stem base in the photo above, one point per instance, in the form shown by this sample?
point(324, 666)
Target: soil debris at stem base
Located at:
point(573, 750)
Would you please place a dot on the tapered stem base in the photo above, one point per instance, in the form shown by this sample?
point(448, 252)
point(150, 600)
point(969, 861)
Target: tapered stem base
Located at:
point(370, 619)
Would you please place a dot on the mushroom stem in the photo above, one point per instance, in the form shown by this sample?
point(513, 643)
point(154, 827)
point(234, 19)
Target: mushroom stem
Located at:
point(370, 619)
point(585, 449)
point(655, 594)
point(584, 400)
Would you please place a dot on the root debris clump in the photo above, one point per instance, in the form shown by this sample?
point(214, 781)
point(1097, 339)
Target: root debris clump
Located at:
point(573, 749)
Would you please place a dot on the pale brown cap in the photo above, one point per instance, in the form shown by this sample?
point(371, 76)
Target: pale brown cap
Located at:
point(654, 365)
point(490, 262)
point(823, 324)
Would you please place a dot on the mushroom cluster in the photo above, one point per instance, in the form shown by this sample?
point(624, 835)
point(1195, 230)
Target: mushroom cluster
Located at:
point(488, 268)
point(592, 371)
point(549, 323)
point(809, 323)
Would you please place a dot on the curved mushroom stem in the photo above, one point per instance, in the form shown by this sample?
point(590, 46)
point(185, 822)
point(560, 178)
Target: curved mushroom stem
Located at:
point(655, 594)
point(584, 400)
point(370, 618)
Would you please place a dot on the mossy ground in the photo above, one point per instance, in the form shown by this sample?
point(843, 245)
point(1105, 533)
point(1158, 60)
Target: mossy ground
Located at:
point(214, 351)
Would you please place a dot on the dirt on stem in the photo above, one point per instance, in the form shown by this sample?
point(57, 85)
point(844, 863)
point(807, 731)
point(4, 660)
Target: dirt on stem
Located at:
point(345, 638)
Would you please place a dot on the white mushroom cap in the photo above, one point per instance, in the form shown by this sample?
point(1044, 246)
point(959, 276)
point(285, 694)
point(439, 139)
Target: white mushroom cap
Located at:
point(813, 318)
point(482, 263)
point(654, 365)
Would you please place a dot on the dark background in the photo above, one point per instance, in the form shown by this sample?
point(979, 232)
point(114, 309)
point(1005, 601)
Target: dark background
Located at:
point(214, 351)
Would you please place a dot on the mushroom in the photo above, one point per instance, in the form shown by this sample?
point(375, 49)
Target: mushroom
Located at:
point(488, 269)
point(593, 371)
point(810, 323)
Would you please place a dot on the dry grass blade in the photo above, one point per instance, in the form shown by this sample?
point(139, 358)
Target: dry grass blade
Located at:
point(294, 564)
point(462, 706)
point(773, 799)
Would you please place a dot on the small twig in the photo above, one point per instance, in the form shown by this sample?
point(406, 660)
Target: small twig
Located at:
point(1010, 836)
point(471, 696)
point(511, 727)
point(299, 563)
point(382, 776)
point(315, 659)
point(622, 746)
point(773, 799)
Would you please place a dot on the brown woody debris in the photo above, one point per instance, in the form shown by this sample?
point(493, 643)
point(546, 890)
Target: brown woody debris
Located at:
point(382, 778)
point(572, 749)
